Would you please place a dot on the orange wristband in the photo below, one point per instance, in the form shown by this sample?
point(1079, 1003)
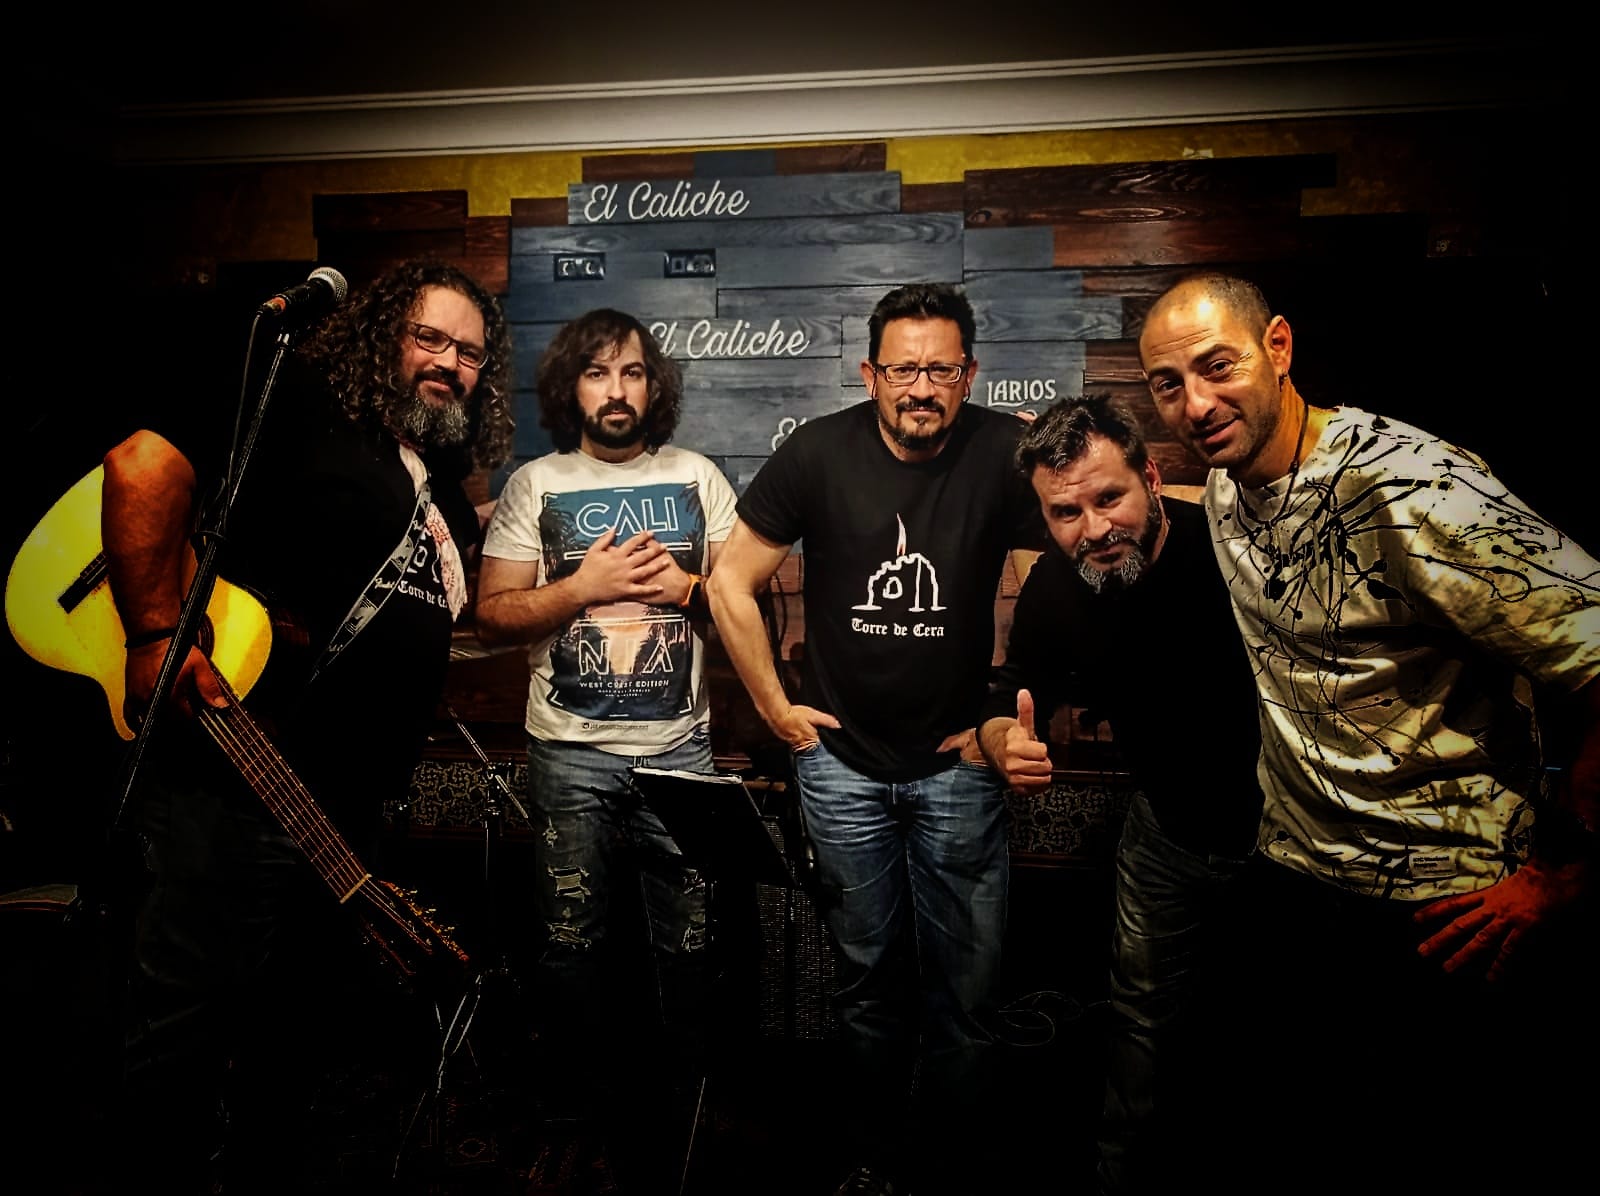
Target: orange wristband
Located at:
point(696, 580)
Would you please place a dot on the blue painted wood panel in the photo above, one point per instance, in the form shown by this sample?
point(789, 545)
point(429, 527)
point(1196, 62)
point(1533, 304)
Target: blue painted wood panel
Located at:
point(748, 197)
point(1009, 249)
point(741, 408)
point(542, 302)
point(883, 266)
point(886, 228)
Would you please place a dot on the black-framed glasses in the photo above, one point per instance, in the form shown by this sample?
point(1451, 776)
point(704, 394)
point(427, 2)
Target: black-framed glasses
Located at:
point(474, 357)
point(940, 373)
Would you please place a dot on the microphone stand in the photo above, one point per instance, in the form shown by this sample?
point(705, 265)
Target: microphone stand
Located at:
point(211, 535)
point(456, 1030)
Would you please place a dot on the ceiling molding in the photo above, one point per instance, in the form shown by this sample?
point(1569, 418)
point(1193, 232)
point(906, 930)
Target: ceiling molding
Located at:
point(1294, 82)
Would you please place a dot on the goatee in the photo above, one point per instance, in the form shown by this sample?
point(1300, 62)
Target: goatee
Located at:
point(916, 441)
point(1134, 561)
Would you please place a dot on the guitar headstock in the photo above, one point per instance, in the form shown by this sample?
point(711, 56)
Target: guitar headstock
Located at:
point(417, 947)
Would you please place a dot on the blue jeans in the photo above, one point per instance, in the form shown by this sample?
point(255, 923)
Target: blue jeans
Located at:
point(912, 883)
point(1170, 908)
point(593, 832)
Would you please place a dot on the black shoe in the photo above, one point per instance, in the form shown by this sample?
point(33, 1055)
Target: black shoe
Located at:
point(864, 1181)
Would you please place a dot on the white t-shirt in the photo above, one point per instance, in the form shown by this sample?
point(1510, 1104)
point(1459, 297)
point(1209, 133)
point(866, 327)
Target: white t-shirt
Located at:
point(1388, 603)
point(625, 677)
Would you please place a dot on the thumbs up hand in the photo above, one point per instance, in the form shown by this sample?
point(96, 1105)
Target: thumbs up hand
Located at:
point(1025, 713)
point(1015, 750)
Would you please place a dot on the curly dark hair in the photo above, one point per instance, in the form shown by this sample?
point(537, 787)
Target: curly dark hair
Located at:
point(1060, 436)
point(922, 301)
point(358, 351)
point(595, 334)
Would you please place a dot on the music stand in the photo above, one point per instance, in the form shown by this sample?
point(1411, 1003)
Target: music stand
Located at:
point(715, 822)
point(716, 825)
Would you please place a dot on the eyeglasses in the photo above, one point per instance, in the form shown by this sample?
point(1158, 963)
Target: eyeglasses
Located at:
point(474, 357)
point(940, 373)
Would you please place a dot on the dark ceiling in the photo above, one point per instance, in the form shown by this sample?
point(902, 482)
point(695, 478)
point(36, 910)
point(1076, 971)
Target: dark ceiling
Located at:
point(298, 48)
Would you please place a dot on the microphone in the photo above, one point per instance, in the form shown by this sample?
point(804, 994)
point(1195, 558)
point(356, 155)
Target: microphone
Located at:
point(324, 290)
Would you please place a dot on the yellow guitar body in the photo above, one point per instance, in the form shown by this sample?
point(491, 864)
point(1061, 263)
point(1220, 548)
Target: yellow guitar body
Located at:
point(59, 607)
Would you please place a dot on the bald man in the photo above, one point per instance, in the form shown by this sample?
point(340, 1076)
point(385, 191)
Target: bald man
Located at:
point(1401, 607)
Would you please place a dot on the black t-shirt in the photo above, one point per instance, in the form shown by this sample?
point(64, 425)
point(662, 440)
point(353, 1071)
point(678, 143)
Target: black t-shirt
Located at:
point(1163, 661)
point(902, 562)
point(323, 505)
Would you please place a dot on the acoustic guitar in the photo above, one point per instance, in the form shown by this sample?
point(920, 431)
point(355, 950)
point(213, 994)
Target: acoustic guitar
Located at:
point(60, 611)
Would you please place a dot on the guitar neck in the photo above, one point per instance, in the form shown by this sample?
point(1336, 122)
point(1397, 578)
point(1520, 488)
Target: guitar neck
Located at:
point(290, 802)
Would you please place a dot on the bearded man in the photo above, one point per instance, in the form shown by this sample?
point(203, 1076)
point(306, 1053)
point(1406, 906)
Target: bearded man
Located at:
point(352, 526)
point(594, 559)
point(1128, 596)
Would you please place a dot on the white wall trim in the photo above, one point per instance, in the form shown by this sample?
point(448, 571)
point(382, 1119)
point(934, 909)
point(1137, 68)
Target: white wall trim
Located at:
point(1292, 82)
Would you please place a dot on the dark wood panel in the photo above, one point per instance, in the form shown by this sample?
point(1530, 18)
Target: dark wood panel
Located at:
point(742, 409)
point(1387, 236)
point(864, 156)
point(488, 252)
point(849, 303)
point(390, 210)
point(839, 265)
point(541, 301)
point(888, 228)
point(1142, 282)
point(390, 245)
point(1177, 465)
point(740, 471)
point(1044, 286)
point(733, 163)
point(1062, 359)
point(529, 440)
point(528, 343)
point(741, 198)
point(1028, 248)
point(539, 211)
point(1113, 361)
point(612, 168)
point(1173, 242)
point(1189, 189)
point(933, 197)
point(1026, 318)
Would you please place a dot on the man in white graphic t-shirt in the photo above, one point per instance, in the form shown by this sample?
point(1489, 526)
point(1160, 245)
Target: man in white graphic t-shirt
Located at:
point(595, 557)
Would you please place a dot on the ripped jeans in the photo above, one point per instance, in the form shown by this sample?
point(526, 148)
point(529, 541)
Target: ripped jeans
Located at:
point(593, 834)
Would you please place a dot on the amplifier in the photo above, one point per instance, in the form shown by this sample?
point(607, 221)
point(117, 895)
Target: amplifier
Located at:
point(797, 963)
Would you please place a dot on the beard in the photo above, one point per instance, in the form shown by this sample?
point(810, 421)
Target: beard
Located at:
point(1133, 563)
point(916, 441)
point(430, 426)
point(628, 435)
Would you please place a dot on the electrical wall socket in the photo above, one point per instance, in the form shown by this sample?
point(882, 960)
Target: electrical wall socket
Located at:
point(580, 265)
point(691, 263)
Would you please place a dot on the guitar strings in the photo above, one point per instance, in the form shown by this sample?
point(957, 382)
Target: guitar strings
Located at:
point(261, 764)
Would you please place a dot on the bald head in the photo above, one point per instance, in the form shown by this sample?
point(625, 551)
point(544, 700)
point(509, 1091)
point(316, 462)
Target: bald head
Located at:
point(1241, 299)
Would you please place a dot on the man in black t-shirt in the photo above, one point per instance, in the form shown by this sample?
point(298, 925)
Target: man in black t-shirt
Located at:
point(352, 529)
point(1128, 592)
point(907, 505)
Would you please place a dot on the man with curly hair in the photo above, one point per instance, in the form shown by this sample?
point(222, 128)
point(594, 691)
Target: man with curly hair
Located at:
point(594, 558)
point(352, 526)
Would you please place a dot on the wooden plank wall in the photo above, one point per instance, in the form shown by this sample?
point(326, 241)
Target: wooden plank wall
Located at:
point(784, 252)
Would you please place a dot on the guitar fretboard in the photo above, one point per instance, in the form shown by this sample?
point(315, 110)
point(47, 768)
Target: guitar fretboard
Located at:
point(269, 774)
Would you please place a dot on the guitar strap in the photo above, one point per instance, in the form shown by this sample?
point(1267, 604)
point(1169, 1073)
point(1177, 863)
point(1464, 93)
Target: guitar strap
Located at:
point(382, 586)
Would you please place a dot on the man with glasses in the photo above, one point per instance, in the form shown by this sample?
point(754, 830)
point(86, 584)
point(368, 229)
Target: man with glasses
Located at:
point(594, 558)
point(249, 988)
point(907, 504)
